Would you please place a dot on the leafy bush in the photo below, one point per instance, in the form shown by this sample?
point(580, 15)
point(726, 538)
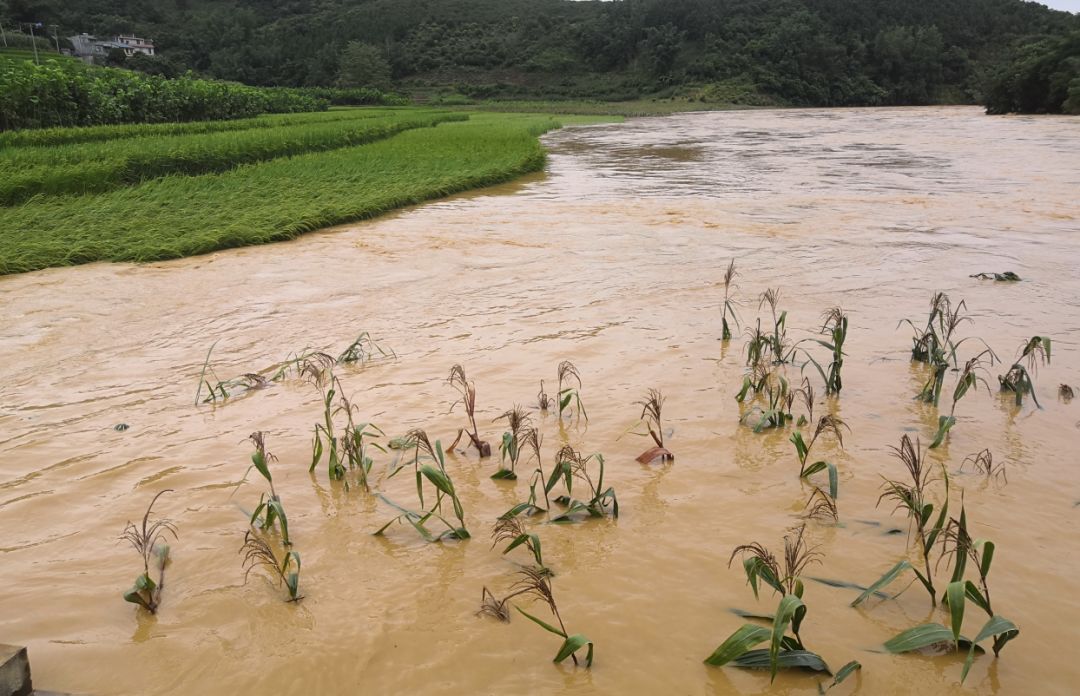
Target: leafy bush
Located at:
point(59, 94)
point(354, 96)
point(1042, 77)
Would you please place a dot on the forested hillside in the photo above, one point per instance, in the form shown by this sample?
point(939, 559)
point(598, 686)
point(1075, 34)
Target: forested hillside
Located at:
point(803, 52)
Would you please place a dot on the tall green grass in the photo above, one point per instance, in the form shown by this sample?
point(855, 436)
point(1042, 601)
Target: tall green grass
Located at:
point(86, 134)
point(68, 93)
point(103, 166)
point(281, 199)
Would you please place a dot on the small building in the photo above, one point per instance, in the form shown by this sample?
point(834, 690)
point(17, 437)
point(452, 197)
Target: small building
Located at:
point(91, 49)
point(133, 44)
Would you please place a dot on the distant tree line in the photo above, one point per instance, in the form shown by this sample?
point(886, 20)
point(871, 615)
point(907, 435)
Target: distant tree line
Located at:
point(800, 52)
point(1042, 77)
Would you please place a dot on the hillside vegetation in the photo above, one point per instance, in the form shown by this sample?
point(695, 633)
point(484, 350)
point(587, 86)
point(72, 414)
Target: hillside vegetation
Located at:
point(53, 90)
point(799, 52)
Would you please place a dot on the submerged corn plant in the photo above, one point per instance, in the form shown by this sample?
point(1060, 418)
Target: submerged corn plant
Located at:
point(570, 465)
point(218, 389)
point(825, 424)
point(256, 552)
point(149, 541)
point(821, 506)
point(784, 577)
point(570, 395)
point(429, 463)
point(805, 393)
point(348, 452)
point(1018, 379)
point(928, 340)
point(325, 437)
point(363, 350)
point(983, 463)
point(965, 554)
point(305, 363)
point(936, 346)
point(969, 379)
point(204, 380)
point(651, 407)
point(777, 412)
point(467, 390)
point(356, 450)
point(913, 497)
point(755, 379)
point(543, 401)
point(312, 365)
point(758, 346)
point(835, 327)
point(492, 606)
point(269, 510)
point(728, 310)
point(778, 343)
point(537, 583)
point(513, 441)
point(758, 362)
point(512, 532)
point(532, 442)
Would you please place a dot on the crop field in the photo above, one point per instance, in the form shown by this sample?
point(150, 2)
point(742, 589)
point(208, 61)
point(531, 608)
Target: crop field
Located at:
point(60, 136)
point(102, 166)
point(170, 193)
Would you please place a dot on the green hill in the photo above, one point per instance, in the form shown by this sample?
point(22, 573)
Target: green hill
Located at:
point(803, 52)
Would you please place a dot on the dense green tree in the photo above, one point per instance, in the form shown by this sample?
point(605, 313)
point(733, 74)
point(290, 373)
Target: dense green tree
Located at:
point(1042, 77)
point(116, 57)
point(660, 47)
point(363, 65)
point(909, 63)
point(153, 65)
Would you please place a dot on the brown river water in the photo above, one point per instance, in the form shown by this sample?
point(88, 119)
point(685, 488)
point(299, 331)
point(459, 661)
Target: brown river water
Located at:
point(611, 258)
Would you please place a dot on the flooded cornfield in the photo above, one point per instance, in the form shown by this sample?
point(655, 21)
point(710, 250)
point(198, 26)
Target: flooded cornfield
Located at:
point(614, 259)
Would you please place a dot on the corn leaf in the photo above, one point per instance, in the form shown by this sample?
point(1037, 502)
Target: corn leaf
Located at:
point(890, 575)
point(1002, 629)
point(542, 624)
point(791, 610)
point(845, 672)
point(738, 643)
point(571, 645)
point(922, 637)
point(786, 659)
point(945, 424)
point(259, 461)
point(954, 592)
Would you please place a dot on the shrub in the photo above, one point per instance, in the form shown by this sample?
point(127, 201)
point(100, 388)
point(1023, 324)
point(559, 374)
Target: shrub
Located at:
point(61, 94)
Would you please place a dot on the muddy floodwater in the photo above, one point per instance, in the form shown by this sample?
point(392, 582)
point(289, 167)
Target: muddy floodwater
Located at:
point(611, 258)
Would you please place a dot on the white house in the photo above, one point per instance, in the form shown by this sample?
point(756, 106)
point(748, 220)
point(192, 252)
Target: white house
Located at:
point(92, 49)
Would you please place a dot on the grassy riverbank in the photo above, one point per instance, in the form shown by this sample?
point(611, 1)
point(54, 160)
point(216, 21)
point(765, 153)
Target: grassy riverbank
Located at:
point(105, 165)
point(175, 216)
point(634, 108)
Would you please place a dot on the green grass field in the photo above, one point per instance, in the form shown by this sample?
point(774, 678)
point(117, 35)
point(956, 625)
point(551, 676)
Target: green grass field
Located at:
point(87, 134)
point(174, 216)
point(104, 165)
